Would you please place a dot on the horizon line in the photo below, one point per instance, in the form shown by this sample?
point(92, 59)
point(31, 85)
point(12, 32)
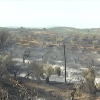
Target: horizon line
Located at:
point(47, 27)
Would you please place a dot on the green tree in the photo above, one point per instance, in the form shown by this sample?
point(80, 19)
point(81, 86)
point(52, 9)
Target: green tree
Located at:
point(48, 71)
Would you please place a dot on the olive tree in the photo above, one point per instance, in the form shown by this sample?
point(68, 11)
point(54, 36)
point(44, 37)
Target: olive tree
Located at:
point(2, 65)
point(4, 59)
point(90, 76)
point(48, 71)
point(35, 71)
point(7, 66)
point(5, 39)
point(13, 68)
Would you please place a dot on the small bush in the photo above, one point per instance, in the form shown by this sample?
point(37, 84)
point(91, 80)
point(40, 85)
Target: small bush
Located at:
point(58, 71)
point(78, 93)
point(49, 44)
point(89, 76)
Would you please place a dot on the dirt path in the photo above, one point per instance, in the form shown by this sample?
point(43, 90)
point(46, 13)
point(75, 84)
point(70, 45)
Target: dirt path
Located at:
point(58, 92)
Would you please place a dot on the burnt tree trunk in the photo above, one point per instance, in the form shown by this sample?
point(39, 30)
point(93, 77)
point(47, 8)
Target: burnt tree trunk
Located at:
point(47, 80)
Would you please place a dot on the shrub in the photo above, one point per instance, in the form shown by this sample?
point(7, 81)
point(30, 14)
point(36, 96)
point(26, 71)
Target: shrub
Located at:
point(78, 93)
point(89, 76)
point(49, 44)
point(35, 70)
point(58, 71)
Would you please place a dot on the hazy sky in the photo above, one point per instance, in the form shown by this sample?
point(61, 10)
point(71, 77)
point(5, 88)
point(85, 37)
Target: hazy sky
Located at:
point(49, 13)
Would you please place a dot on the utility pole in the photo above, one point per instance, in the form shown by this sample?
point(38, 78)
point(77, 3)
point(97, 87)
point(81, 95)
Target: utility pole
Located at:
point(65, 60)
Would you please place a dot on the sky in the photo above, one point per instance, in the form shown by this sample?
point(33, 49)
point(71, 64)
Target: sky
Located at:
point(50, 13)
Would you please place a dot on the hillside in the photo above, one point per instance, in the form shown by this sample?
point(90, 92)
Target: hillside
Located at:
point(26, 53)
